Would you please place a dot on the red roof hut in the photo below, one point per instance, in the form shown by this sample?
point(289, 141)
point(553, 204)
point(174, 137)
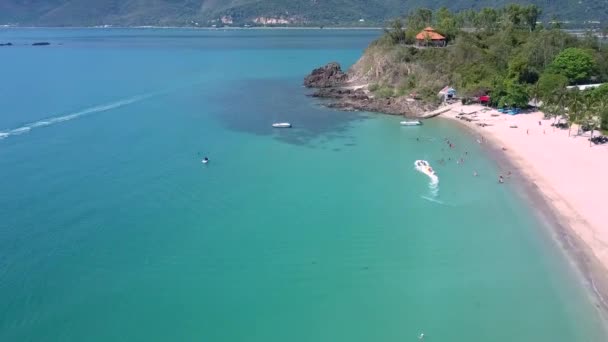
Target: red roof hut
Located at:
point(429, 36)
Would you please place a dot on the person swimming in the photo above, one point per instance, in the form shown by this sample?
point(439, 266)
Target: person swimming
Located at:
point(501, 179)
point(205, 160)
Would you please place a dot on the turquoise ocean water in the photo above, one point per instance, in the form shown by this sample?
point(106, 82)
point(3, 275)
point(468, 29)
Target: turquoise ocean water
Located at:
point(112, 230)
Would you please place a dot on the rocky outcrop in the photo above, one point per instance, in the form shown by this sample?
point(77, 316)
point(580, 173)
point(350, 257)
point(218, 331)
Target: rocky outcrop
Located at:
point(330, 75)
point(338, 89)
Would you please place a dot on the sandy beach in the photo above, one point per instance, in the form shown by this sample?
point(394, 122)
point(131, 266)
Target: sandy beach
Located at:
point(568, 172)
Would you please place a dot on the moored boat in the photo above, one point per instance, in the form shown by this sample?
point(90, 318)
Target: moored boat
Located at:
point(410, 123)
point(281, 125)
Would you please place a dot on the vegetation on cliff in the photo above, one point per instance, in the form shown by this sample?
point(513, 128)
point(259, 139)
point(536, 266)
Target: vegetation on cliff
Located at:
point(502, 52)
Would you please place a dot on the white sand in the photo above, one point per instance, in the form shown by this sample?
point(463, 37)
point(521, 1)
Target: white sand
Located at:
point(571, 175)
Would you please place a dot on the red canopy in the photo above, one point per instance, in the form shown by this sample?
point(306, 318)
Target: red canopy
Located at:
point(484, 98)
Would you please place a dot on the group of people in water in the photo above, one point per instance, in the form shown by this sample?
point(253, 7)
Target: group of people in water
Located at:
point(461, 160)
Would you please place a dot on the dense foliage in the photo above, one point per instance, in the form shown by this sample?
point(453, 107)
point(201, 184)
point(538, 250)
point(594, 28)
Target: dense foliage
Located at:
point(501, 52)
point(299, 12)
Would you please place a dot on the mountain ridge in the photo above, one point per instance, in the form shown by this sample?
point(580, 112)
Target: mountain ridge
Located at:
point(257, 12)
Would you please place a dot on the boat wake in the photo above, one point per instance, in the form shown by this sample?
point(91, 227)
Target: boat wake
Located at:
point(57, 119)
point(424, 167)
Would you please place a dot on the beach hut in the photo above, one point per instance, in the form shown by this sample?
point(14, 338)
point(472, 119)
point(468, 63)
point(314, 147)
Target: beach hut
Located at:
point(430, 37)
point(447, 93)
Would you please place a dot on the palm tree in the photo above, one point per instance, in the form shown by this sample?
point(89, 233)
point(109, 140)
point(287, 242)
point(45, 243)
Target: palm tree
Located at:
point(574, 108)
point(590, 107)
point(601, 106)
point(557, 103)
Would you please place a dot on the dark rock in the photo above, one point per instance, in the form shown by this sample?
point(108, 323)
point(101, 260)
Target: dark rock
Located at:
point(41, 44)
point(330, 75)
point(332, 84)
point(7, 44)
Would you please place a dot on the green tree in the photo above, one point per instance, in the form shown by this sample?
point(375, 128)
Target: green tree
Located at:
point(574, 63)
point(395, 31)
point(487, 19)
point(530, 16)
point(446, 23)
point(550, 83)
point(419, 19)
point(515, 94)
point(575, 108)
point(589, 117)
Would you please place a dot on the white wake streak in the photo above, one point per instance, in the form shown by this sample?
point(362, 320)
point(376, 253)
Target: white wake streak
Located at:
point(57, 119)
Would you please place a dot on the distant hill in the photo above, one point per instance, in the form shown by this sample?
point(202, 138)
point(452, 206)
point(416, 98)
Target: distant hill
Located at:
point(257, 12)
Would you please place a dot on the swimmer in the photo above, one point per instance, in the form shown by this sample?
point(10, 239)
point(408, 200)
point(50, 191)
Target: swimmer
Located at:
point(421, 336)
point(500, 179)
point(205, 160)
point(475, 174)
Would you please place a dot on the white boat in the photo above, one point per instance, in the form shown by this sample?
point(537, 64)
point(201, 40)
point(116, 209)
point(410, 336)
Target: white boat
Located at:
point(424, 167)
point(410, 123)
point(281, 125)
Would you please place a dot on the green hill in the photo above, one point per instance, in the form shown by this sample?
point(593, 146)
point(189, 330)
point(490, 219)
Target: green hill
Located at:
point(257, 12)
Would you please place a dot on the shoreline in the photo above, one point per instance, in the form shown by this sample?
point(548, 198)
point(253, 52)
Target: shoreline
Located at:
point(575, 235)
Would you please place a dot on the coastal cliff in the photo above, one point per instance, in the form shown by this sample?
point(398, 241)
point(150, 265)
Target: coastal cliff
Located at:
point(358, 89)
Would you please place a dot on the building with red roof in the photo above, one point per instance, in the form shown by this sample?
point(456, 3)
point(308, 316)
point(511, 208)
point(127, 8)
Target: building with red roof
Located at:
point(430, 37)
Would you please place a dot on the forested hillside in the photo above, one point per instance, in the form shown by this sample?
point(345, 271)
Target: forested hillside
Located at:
point(258, 12)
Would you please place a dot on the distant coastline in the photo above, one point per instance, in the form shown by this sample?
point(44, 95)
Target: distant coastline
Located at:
point(207, 28)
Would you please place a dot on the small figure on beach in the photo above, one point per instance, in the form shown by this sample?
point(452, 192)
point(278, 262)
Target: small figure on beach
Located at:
point(504, 148)
point(508, 173)
point(500, 179)
point(540, 123)
point(527, 131)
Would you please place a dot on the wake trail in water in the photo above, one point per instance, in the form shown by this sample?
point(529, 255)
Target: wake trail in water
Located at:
point(423, 167)
point(58, 119)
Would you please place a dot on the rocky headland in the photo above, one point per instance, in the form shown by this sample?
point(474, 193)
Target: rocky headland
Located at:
point(350, 91)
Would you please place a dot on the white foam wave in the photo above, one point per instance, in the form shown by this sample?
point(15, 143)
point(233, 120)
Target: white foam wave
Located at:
point(57, 119)
point(431, 199)
point(433, 179)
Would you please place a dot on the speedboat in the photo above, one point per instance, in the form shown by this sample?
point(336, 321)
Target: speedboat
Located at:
point(410, 123)
point(424, 167)
point(281, 125)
